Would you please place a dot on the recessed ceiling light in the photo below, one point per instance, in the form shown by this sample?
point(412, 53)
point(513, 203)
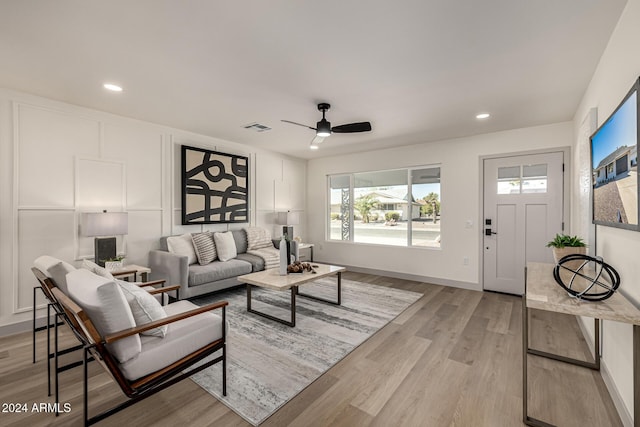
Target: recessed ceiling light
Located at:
point(112, 87)
point(483, 116)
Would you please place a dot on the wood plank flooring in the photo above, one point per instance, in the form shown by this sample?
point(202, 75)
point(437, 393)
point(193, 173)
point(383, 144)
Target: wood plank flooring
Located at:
point(451, 359)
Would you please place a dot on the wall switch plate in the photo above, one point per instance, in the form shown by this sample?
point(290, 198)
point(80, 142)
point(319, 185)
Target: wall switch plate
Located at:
point(465, 260)
point(468, 224)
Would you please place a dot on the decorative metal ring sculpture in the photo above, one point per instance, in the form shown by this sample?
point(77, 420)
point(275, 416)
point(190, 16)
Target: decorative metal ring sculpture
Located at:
point(589, 293)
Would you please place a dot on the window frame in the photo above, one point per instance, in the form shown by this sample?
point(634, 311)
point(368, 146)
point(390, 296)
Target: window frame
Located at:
point(409, 234)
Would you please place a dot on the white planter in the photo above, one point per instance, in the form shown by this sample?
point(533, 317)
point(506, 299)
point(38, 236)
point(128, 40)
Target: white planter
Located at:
point(113, 265)
point(559, 253)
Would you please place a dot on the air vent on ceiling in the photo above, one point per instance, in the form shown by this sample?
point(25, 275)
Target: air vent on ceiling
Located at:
point(257, 127)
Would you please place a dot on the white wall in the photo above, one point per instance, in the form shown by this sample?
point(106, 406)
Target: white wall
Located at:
point(619, 67)
point(57, 160)
point(460, 169)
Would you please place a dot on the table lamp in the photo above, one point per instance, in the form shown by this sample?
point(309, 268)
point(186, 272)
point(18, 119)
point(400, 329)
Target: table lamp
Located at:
point(103, 226)
point(288, 219)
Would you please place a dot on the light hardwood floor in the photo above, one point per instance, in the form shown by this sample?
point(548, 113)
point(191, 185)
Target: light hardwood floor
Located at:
point(452, 359)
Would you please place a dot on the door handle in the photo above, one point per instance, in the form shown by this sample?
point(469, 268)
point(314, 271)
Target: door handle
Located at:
point(489, 232)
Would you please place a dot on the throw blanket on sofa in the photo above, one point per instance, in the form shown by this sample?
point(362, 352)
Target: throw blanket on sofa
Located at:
point(271, 256)
point(259, 243)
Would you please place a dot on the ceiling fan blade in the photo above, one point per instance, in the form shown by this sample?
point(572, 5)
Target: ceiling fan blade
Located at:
point(299, 124)
point(352, 128)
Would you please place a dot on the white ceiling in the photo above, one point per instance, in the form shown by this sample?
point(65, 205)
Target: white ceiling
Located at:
point(418, 70)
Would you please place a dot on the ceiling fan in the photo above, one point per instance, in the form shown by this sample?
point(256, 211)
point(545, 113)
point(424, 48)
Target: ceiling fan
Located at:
point(323, 127)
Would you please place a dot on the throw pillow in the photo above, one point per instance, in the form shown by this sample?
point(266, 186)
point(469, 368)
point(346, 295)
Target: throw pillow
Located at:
point(144, 307)
point(54, 269)
point(225, 245)
point(105, 304)
point(205, 249)
point(258, 238)
point(96, 269)
point(183, 246)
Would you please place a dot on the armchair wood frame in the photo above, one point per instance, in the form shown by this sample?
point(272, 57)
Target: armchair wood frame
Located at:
point(46, 286)
point(95, 345)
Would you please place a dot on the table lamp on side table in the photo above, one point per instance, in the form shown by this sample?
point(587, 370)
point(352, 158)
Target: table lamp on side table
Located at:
point(103, 225)
point(288, 219)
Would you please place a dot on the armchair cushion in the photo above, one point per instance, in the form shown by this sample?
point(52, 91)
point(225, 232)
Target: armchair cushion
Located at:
point(204, 247)
point(105, 304)
point(182, 245)
point(55, 269)
point(225, 245)
point(144, 307)
point(183, 337)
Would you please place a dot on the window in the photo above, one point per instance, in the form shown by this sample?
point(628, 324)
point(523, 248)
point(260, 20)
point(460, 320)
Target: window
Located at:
point(522, 179)
point(395, 207)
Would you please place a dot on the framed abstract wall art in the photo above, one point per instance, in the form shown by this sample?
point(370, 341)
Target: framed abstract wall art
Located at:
point(215, 187)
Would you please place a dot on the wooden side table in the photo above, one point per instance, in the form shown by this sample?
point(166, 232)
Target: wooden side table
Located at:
point(306, 246)
point(133, 270)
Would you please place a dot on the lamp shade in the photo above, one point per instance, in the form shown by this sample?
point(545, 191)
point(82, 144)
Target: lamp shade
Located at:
point(104, 223)
point(288, 218)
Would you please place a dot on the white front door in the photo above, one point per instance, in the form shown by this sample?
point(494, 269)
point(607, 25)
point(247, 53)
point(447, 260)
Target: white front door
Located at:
point(523, 202)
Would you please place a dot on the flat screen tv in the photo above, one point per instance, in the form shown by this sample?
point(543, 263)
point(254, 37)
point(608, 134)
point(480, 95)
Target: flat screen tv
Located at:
point(614, 166)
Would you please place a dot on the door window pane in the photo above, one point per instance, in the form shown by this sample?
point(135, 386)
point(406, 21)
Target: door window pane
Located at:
point(509, 180)
point(534, 178)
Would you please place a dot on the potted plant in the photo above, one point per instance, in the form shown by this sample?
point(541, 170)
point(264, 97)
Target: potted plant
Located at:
point(564, 245)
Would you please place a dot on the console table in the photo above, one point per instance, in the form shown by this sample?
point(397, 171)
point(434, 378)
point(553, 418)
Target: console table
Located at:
point(543, 293)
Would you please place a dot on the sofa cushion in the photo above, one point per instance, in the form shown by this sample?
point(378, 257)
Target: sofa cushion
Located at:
point(225, 245)
point(240, 237)
point(217, 270)
point(54, 269)
point(183, 246)
point(144, 307)
point(257, 263)
point(105, 304)
point(182, 338)
point(204, 246)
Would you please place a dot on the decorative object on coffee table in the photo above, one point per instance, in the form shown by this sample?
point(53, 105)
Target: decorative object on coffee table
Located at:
point(564, 245)
point(592, 280)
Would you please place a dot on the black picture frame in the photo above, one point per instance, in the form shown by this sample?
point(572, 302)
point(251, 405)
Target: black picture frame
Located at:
point(215, 187)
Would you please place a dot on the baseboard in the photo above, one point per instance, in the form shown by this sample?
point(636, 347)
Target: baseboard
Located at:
point(623, 412)
point(20, 327)
point(416, 278)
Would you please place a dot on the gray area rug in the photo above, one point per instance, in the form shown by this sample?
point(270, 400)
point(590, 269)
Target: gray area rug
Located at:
point(268, 363)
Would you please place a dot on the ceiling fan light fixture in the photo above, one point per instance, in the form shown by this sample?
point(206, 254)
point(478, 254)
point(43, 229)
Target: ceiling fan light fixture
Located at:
point(323, 128)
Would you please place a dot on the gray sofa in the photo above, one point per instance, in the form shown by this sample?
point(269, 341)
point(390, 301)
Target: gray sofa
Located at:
point(196, 279)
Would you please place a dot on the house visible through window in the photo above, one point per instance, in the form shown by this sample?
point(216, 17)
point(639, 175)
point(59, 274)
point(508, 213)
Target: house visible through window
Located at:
point(395, 207)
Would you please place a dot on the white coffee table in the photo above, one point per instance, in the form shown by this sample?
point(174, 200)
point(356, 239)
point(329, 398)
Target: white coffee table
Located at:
point(271, 279)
